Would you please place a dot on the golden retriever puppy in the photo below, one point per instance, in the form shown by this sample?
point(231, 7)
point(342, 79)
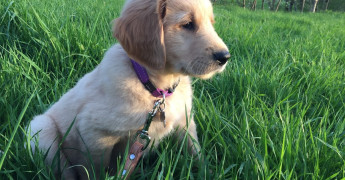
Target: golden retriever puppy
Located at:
point(172, 39)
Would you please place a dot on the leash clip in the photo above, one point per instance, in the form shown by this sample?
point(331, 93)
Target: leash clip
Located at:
point(143, 134)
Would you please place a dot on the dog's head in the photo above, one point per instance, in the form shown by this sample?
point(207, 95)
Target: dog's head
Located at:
point(176, 36)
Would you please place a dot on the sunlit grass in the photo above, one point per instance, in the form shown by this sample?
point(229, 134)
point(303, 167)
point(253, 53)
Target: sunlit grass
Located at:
point(277, 112)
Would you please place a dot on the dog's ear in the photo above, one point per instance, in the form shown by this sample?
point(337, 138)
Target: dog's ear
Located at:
point(139, 30)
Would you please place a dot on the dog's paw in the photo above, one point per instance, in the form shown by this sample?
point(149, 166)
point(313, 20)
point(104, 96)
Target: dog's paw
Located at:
point(194, 150)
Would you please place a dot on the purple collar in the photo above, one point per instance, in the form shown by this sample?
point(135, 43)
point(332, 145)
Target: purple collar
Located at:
point(144, 78)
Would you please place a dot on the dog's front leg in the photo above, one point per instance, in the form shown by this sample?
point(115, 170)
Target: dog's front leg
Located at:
point(187, 129)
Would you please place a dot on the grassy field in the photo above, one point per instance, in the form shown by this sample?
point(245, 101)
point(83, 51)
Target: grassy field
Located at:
point(277, 112)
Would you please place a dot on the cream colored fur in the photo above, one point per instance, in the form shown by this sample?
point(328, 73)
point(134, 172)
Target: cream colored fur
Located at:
point(110, 102)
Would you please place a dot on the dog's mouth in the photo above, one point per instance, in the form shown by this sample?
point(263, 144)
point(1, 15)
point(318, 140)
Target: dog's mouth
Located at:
point(204, 68)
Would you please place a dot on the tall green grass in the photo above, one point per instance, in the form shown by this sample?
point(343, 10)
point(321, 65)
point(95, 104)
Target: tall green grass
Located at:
point(277, 112)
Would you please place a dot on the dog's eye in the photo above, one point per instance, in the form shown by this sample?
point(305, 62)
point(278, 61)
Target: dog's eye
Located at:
point(189, 26)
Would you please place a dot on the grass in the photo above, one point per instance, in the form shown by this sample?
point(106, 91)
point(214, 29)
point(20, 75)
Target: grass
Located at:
point(277, 112)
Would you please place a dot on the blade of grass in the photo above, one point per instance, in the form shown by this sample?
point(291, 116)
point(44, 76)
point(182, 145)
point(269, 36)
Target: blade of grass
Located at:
point(15, 129)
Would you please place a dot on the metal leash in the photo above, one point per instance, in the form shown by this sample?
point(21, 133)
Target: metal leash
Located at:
point(159, 105)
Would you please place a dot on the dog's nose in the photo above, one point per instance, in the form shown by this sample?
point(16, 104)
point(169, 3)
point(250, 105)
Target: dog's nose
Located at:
point(221, 57)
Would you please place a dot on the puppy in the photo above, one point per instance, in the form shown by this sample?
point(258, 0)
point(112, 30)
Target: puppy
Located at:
point(172, 39)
